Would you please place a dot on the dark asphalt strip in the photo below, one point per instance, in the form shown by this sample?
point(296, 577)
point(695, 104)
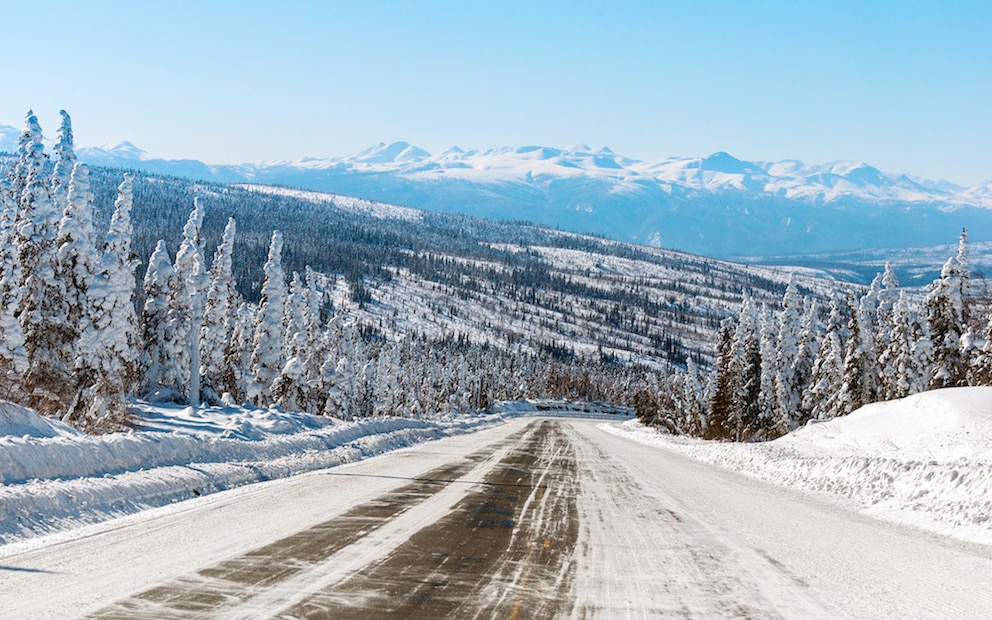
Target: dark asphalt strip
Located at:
point(505, 550)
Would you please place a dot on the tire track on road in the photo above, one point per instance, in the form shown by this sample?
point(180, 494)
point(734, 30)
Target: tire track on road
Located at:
point(505, 550)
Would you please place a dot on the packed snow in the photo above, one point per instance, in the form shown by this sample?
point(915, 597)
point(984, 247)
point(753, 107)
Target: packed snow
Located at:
point(55, 478)
point(925, 460)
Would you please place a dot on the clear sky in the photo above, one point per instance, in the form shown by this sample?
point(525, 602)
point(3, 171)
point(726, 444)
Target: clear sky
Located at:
point(903, 85)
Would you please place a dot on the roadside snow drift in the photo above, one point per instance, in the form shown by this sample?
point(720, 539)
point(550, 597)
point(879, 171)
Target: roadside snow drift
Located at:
point(55, 478)
point(925, 460)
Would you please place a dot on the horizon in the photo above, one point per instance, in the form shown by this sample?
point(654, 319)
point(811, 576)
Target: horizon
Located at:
point(901, 87)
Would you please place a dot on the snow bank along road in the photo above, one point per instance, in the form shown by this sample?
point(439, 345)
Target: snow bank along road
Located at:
point(534, 518)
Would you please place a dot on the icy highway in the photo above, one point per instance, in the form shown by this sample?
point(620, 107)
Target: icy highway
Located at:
point(536, 518)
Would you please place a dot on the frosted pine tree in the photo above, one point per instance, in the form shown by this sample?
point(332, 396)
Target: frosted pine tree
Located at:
point(963, 260)
point(78, 266)
point(236, 375)
point(746, 359)
point(725, 384)
point(13, 357)
point(187, 301)
point(807, 349)
point(860, 366)
point(114, 316)
point(981, 370)
point(108, 344)
point(66, 162)
point(788, 382)
point(218, 318)
point(888, 297)
point(945, 320)
point(267, 357)
point(162, 378)
point(909, 352)
point(771, 374)
point(43, 311)
point(822, 399)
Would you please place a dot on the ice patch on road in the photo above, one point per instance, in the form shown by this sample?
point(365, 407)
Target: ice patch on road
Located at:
point(925, 460)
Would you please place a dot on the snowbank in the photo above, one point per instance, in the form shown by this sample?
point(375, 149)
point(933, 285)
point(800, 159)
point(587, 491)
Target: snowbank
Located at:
point(55, 478)
point(925, 460)
point(17, 420)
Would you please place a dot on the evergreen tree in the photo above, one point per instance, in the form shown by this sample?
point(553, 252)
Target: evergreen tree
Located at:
point(823, 400)
point(945, 319)
point(114, 318)
point(13, 356)
point(219, 320)
point(78, 265)
point(162, 377)
point(66, 162)
point(963, 260)
point(769, 425)
point(981, 370)
point(722, 403)
point(859, 371)
point(47, 332)
point(746, 359)
point(802, 368)
point(790, 379)
point(188, 303)
point(267, 357)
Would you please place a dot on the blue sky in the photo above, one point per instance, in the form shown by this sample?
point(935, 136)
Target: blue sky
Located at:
point(905, 86)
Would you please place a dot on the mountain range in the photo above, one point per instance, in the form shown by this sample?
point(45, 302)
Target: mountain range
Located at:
point(717, 205)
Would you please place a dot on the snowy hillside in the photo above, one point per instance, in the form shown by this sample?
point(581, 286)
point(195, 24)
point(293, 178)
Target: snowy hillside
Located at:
point(716, 205)
point(405, 272)
point(925, 460)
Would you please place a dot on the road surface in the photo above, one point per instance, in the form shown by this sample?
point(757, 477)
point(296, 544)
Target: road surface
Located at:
point(536, 518)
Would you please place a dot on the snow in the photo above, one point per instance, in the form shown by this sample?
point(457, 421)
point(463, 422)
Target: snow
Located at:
point(17, 421)
point(379, 210)
point(924, 461)
point(55, 478)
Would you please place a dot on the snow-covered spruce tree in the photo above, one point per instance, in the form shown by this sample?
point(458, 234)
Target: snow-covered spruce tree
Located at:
point(219, 320)
point(888, 297)
point(722, 403)
point(13, 357)
point(788, 383)
point(289, 387)
point(802, 367)
point(945, 320)
point(110, 334)
point(860, 371)
point(66, 161)
point(963, 260)
point(187, 301)
point(47, 333)
point(770, 425)
point(822, 399)
point(912, 350)
point(120, 324)
point(981, 366)
point(236, 375)
point(78, 266)
point(162, 378)
point(267, 356)
point(747, 358)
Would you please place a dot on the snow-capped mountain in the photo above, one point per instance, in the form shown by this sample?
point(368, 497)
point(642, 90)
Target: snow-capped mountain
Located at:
point(717, 205)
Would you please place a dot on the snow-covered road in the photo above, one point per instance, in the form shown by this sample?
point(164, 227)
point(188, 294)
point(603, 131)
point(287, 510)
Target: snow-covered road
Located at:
point(532, 518)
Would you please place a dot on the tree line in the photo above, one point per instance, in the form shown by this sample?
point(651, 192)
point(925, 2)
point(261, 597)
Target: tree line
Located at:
point(776, 370)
